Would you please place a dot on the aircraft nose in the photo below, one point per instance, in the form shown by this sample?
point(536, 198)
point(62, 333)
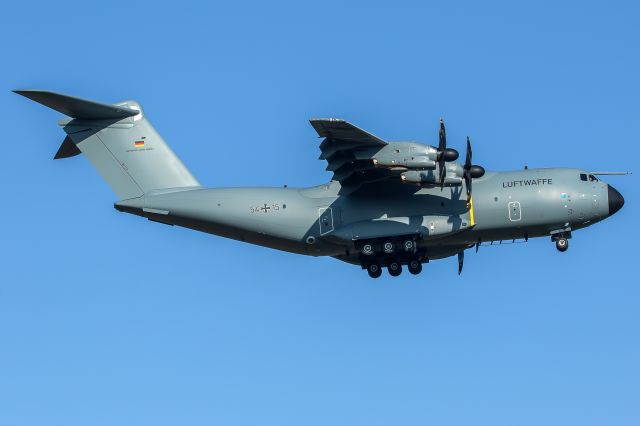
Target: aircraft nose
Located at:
point(616, 201)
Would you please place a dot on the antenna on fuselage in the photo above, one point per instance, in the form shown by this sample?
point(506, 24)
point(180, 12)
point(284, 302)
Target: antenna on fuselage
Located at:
point(611, 173)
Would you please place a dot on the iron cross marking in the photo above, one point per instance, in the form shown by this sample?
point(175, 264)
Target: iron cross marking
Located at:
point(265, 208)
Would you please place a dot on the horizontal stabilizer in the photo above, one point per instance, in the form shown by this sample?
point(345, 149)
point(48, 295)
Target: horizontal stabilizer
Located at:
point(76, 107)
point(67, 149)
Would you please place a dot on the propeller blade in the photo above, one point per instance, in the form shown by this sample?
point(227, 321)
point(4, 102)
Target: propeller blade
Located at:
point(468, 182)
point(468, 178)
point(460, 261)
point(442, 146)
point(442, 143)
point(444, 155)
point(467, 170)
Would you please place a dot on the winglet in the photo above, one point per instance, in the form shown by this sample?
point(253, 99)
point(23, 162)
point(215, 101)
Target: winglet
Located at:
point(76, 107)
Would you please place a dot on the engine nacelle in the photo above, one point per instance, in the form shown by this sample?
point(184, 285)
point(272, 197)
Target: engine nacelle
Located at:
point(410, 155)
point(453, 176)
point(413, 162)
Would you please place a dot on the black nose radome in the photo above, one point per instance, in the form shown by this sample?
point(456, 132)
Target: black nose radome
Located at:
point(615, 200)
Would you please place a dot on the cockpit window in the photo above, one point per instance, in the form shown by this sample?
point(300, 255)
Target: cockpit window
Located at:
point(592, 178)
point(583, 177)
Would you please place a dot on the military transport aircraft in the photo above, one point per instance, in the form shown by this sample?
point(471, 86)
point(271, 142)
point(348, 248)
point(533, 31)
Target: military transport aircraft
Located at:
point(388, 203)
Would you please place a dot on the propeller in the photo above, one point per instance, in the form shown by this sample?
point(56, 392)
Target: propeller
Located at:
point(444, 154)
point(460, 261)
point(470, 171)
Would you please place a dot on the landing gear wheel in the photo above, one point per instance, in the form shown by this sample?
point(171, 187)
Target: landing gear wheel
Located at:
point(409, 245)
point(388, 247)
point(395, 268)
point(415, 266)
point(374, 270)
point(562, 244)
point(367, 249)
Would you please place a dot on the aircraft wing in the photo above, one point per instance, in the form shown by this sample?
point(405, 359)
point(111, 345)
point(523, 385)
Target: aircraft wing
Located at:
point(349, 152)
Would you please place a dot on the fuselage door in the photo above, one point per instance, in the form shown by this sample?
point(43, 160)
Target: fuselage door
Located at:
point(325, 220)
point(514, 211)
point(582, 205)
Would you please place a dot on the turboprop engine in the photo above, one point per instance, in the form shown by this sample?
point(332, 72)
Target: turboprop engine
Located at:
point(449, 174)
point(426, 165)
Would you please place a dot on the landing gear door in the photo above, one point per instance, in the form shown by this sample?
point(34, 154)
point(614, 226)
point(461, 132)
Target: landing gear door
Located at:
point(515, 214)
point(325, 220)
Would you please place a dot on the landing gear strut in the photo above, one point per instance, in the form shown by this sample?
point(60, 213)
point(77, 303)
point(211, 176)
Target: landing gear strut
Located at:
point(562, 244)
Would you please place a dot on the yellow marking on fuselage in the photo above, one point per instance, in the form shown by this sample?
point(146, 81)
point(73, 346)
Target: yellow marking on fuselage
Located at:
point(473, 220)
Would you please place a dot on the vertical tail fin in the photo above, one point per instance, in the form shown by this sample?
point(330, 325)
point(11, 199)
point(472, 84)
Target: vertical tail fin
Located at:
point(120, 143)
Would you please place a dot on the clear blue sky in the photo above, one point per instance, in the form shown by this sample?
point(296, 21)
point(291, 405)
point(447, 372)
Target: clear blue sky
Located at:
point(107, 318)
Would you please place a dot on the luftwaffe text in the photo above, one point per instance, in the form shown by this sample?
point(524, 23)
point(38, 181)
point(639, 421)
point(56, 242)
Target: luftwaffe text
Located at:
point(527, 182)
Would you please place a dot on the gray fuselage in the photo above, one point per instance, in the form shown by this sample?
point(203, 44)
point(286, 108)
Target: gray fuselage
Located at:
point(323, 221)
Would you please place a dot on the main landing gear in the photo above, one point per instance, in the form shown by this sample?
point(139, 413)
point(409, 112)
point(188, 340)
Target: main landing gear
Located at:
point(415, 266)
point(392, 253)
point(374, 270)
point(395, 268)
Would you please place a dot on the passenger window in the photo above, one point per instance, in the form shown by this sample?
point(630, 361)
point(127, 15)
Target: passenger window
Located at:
point(592, 178)
point(583, 177)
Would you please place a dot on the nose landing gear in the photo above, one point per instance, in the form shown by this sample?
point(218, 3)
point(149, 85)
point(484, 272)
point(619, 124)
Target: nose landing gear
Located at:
point(562, 244)
point(562, 240)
